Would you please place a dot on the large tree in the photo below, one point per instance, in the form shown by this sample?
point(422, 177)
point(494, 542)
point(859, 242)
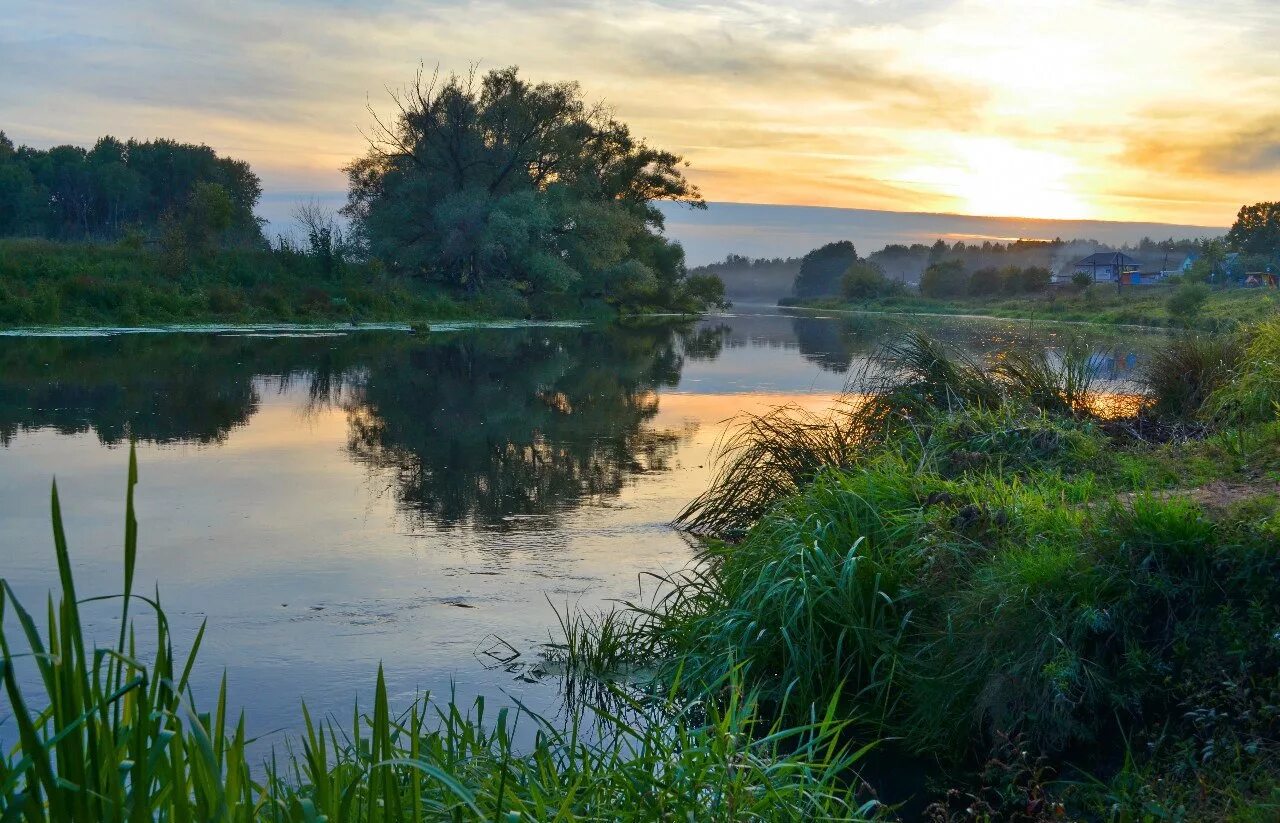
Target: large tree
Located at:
point(478, 180)
point(1257, 229)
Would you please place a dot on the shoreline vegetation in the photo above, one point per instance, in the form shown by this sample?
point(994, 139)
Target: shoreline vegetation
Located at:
point(1209, 284)
point(484, 196)
point(1225, 310)
point(1041, 599)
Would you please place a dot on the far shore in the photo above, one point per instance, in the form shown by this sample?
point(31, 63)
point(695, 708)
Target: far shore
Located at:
point(1099, 306)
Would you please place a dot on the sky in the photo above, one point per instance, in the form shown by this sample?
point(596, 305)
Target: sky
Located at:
point(1162, 111)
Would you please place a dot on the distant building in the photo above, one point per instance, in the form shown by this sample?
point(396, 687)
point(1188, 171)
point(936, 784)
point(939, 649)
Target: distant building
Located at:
point(1104, 267)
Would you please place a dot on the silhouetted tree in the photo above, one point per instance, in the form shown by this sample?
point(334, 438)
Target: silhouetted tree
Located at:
point(822, 268)
point(1257, 229)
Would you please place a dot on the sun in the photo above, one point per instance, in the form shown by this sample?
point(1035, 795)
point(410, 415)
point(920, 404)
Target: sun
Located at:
point(992, 176)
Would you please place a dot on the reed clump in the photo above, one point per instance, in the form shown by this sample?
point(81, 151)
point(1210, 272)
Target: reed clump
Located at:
point(1181, 375)
point(912, 383)
point(1252, 394)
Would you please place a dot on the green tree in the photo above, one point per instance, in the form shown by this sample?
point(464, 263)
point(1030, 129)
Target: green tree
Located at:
point(986, 281)
point(945, 279)
point(1257, 229)
point(1033, 279)
point(864, 281)
point(117, 186)
point(822, 269)
point(498, 181)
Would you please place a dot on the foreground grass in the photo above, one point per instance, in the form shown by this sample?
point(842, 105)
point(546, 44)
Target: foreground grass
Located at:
point(48, 283)
point(1101, 304)
point(107, 735)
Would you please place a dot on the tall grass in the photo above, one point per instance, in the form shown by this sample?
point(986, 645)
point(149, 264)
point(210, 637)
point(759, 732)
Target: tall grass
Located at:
point(769, 456)
point(111, 737)
point(1253, 393)
point(948, 610)
point(910, 384)
point(1183, 372)
point(978, 559)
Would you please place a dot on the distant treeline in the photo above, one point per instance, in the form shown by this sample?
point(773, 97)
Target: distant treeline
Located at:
point(73, 193)
point(753, 280)
point(907, 264)
point(945, 269)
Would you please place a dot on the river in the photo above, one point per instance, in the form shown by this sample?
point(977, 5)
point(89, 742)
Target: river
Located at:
point(332, 500)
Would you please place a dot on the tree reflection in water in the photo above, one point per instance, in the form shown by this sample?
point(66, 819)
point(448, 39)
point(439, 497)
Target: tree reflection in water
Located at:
point(496, 429)
point(502, 429)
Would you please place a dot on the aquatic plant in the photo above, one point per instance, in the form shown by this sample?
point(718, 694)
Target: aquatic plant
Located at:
point(909, 386)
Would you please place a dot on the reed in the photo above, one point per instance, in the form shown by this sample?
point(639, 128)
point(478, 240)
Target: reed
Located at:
point(910, 385)
point(1252, 394)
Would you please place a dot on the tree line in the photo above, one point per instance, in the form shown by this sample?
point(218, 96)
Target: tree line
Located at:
point(477, 184)
point(72, 193)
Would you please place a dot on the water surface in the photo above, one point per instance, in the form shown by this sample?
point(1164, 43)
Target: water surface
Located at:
point(329, 501)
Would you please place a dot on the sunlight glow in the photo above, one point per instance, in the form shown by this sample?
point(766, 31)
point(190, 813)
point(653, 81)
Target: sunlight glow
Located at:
point(993, 176)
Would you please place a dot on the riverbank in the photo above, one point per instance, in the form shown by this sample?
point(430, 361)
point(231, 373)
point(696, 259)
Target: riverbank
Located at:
point(1048, 611)
point(47, 284)
point(1104, 305)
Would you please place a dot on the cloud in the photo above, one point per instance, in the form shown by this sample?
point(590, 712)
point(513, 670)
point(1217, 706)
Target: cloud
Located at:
point(821, 101)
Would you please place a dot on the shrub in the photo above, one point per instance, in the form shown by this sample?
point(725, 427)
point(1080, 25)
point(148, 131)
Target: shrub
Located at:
point(985, 281)
point(864, 281)
point(945, 279)
point(1034, 279)
point(1187, 301)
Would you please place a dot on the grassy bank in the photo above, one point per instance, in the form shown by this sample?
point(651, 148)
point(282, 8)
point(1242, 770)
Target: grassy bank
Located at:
point(1069, 615)
point(50, 283)
point(1138, 306)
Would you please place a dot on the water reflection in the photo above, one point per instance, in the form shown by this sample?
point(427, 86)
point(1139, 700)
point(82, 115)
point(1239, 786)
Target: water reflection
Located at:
point(497, 428)
point(502, 430)
point(329, 502)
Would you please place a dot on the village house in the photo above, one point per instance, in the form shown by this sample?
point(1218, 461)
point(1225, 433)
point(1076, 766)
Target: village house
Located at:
point(1102, 267)
point(1144, 269)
